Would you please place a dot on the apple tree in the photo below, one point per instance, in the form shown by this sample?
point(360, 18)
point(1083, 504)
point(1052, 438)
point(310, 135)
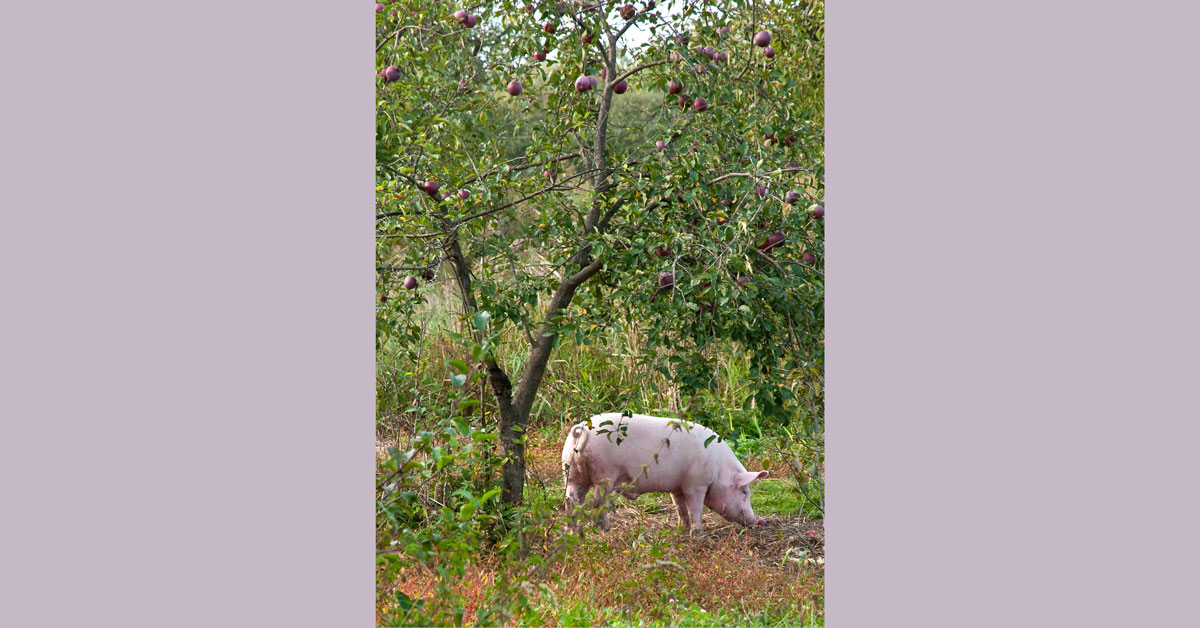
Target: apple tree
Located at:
point(700, 220)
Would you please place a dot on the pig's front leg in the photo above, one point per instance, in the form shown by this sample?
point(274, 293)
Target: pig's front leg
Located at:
point(575, 498)
point(680, 501)
point(603, 503)
point(695, 507)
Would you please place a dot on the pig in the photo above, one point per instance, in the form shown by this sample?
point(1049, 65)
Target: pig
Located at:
point(645, 454)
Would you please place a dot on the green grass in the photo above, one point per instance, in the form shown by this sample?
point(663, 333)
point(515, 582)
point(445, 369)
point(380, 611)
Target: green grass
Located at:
point(779, 497)
point(667, 615)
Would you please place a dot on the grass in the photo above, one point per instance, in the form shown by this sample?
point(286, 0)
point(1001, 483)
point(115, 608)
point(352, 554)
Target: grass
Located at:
point(644, 572)
point(776, 497)
point(649, 576)
point(690, 615)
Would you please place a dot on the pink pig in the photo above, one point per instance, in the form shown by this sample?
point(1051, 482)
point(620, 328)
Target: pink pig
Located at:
point(646, 454)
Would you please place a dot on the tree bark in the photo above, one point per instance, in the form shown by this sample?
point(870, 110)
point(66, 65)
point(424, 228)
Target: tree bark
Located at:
point(514, 406)
point(512, 421)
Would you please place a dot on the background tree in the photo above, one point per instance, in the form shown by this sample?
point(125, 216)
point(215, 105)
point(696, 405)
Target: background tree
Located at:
point(576, 167)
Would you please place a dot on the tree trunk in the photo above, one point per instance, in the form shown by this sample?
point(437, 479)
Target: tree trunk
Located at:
point(512, 476)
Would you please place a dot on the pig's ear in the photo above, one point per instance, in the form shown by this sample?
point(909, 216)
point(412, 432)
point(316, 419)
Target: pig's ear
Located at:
point(752, 476)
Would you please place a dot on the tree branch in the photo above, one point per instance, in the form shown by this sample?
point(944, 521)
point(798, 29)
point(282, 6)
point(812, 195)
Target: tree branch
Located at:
point(643, 66)
point(553, 160)
point(539, 354)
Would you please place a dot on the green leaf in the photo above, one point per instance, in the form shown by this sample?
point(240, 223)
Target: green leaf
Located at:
point(482, 318)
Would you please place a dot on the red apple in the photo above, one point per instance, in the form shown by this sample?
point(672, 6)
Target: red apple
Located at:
point(699, 104)
point(378, 7)
point(684, 100)
point(428, 274)
point(674, 87)
point(410, 282)
point(661, 252)
point(582, 84)
point(762, 38)
point(391, 73)
point(540, 55)
point(666, 280)
point(769, 52)
point(808, 258)
point(710, 52)
point(628, 12)
point(791, 197)
point(660, 146)
point(514, 88)
point(792, 166)
point(743, 280)
point(724, 30)
point(775, 240)
point(464, 194)
point(461, 16)
point(721, 57)
point(760, 189)
point(817, 211)
point(431, 187)
point(471, 21)
point(620, 86)
point(587, 38)
point(549, 27)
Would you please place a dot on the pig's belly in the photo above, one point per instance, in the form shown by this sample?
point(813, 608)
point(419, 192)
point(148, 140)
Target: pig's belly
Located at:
point(653, 481)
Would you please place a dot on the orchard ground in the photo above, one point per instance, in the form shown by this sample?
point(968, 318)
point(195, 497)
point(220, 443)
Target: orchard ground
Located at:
point(645, 572)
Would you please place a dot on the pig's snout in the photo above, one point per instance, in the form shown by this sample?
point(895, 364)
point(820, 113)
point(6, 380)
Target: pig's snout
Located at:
point(761, 522)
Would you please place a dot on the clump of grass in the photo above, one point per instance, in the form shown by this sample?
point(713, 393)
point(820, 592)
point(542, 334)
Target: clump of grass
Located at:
point(690, 615)
point(777, 497)
point(644, 576)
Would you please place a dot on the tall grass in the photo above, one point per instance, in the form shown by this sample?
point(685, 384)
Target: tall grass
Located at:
point(601, 374)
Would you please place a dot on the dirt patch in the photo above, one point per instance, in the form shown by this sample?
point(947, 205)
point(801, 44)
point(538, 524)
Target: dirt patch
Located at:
point(780, 539)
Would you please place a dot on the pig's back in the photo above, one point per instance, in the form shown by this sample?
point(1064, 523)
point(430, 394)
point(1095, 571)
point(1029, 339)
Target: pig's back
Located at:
point(672, 449)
